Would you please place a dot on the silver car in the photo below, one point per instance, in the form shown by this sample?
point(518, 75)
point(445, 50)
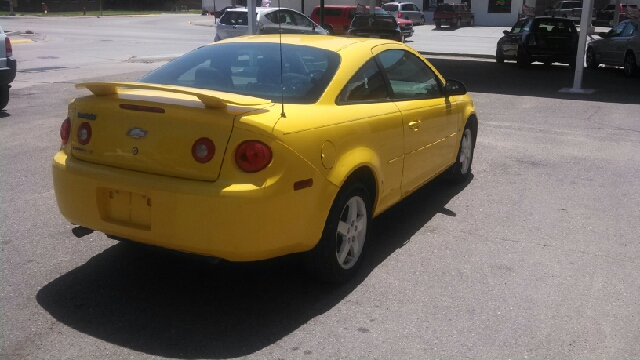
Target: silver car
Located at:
point(618, 47)
point(234, 22)
point(405, 10)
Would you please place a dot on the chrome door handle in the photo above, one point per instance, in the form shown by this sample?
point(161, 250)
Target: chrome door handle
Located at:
point(414, 125)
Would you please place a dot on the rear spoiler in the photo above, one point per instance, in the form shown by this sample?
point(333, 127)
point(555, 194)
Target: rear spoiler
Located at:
point(209, 98)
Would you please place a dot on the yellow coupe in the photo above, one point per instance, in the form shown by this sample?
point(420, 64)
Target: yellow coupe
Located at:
point(256, 147)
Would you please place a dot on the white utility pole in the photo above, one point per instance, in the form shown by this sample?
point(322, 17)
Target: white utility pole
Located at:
point(585, 25)
point(251, 17)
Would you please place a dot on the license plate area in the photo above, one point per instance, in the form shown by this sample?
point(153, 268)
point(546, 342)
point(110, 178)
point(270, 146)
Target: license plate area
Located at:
point(124, 208)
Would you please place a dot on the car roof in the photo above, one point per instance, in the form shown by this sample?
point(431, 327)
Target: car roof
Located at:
point(331, 43)
point(259, 9)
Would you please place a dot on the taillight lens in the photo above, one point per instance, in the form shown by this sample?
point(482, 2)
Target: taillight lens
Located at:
point(65, 131)
point(399, 15)
point(7, 45)
point(203, 150)
point(84, 133)
point(253, 156)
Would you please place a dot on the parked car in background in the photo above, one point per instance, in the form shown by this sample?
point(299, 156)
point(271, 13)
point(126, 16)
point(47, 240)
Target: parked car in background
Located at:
point(259, 147)
point(218, 13)
point(563, 9)
point(544, 39)
point(618, 47)
point(376, 26)
point(7, 68)
point(453, 15)
point(234, 22)
point(405, 10)
point(604, 16)
point(337, 19)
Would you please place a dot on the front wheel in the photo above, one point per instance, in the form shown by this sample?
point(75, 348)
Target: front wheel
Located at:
point(630, 67)
point(338, 255)
point(461, 170)
point(592, 63)
point(499, 55)
point(4, 96)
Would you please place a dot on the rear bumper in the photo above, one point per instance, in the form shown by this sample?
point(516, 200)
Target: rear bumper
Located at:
point(237, 222)
point(8, 73)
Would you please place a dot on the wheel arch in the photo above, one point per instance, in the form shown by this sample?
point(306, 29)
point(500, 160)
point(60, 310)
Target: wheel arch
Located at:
point(361, 165)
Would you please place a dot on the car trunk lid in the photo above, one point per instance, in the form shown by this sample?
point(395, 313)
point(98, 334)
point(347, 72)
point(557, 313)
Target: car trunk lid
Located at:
point(153, 128)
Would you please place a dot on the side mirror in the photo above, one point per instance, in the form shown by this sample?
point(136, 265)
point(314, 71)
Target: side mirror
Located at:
point(454, 88)
point(602, 34)
point(506, 32)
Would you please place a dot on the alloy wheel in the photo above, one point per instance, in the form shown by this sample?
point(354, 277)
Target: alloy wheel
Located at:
point(465, 151)
point(351, 232)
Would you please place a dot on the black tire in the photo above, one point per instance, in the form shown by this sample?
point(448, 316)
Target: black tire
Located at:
point(630, 67)
point(461, 170)
point(472, 22)
point(592, 63)
point(458, 24)
point(323, 261)
point(329, 29)
point(422, 20)
point(4, 97)
point(438, 23)
point(523, 59)
point(499, 55)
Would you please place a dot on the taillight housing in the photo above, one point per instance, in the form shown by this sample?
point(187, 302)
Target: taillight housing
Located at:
point(203, 150)
point(7, 45)
point(399, 15)
point(84, 133)
point(253, 156)
point(65, 131)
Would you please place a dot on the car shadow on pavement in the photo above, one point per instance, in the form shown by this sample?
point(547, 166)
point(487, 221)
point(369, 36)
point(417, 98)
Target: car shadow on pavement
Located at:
point(170, 304)
point(484, 76)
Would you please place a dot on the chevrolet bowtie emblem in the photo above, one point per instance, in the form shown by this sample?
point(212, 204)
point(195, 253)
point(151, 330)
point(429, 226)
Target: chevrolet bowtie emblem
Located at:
point(136, 133)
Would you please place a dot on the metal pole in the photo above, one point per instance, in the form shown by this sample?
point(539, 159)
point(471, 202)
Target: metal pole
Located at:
point(616, 14)
point(251, 16)
point(100, 7)
point(322, 13)
point(585, 24)
point(11, 13)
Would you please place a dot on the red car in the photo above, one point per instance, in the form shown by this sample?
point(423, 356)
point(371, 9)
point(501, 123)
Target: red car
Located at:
point(453, 15)
point(337, 19)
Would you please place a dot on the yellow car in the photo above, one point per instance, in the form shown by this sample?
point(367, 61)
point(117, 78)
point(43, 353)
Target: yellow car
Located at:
point(256, 147)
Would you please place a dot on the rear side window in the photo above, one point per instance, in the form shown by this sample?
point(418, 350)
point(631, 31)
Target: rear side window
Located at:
point(392, 8)
point(367, 84)
point(234, 18)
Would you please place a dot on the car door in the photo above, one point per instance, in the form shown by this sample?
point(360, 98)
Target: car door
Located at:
point(278, 21)
point(429, 122)
point(622, 43)
point(608, 44)
point(232, 24)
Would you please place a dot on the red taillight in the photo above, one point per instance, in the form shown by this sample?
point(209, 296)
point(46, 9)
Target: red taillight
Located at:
point(84, 133)
point(7, 45)
point(253, 156)
point(399, 15)
point(65, 131)
point(203, 150)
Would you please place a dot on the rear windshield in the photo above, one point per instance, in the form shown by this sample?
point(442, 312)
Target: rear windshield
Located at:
point(556, 26)
point(444, 8)
point(253, 69)
point(234, 18)
point(378, 22)
point(392, 8)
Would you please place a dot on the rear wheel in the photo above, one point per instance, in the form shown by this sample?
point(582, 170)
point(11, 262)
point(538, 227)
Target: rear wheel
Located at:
point(591, 58)
point(472, 22)
point(630, 67)
point(338, 255)
point(329, 29)
point(438, 24)
point(458, 24)
point(523, 59)
point(4, 96)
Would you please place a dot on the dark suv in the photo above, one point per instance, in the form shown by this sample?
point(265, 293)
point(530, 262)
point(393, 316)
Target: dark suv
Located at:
point(453, 15)
point(7, 68)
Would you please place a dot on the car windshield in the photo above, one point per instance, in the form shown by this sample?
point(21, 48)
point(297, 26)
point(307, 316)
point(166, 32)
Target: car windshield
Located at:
point(375, 21)
point(390, 7)
point(444, 8)
point(253, 69)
